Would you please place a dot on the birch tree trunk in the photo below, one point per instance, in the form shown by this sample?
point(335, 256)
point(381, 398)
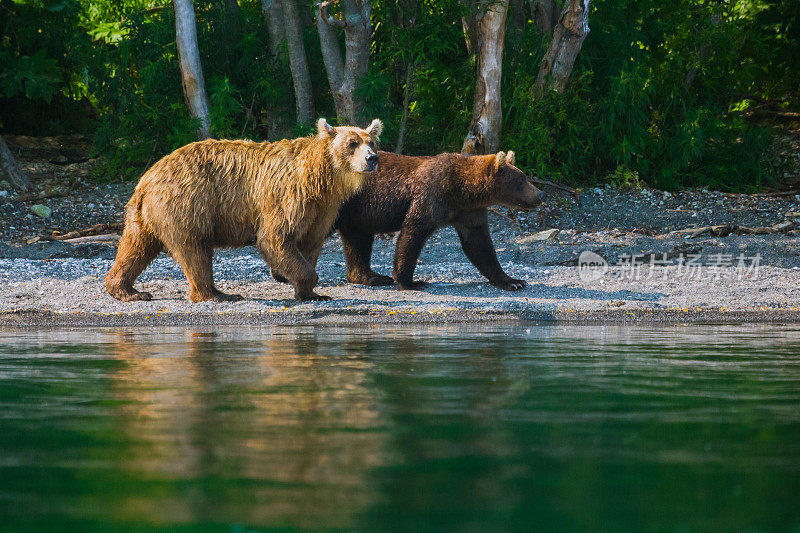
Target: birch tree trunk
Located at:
point(298, 64)
point(273, 15)
point(568, 36)
point(343, 75)
point(194, 85)
point(486, 126)
point(15, 175)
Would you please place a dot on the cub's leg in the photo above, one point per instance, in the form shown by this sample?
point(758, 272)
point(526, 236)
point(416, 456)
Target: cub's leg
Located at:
point(195, 260)
point(476, 241)
point(358, 256)
point(137, 249)
point(282, 255)
point(413, 236)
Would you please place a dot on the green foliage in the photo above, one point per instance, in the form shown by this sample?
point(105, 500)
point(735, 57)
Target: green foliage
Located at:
point(633, 107)
point(660, 94)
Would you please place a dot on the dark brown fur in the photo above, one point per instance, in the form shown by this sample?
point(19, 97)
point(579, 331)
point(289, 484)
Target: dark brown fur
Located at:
point(417, 196)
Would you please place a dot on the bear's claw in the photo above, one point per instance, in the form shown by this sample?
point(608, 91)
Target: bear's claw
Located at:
point(511, 284)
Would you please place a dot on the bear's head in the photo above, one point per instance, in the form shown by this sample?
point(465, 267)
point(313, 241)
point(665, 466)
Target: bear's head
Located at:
point(510, 186)
point(352, 149)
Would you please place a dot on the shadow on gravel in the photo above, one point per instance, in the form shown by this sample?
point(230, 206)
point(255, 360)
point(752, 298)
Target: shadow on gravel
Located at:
point(538, 290)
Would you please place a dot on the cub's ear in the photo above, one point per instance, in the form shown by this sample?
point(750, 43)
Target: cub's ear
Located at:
point(499, 161)
point(375, 128)
point(511, 158)
point(323, 128)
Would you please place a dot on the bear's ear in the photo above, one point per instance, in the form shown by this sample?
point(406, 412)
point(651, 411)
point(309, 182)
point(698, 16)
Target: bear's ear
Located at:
point(499, 161)
point(375, 128)
point(511, 158)
point(323, 128)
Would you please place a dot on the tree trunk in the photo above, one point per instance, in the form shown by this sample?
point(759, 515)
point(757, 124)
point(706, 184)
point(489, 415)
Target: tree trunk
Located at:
point(273, 15)
point(469, 24)
point(568, 36)
point(232, 26)
point(486, 126)
point(544, 14)
point(406, 108)
point(301, 78)
point(344, 75)
point(518, 16)
point(15, 175)
point(332, 57)
point(194, 85)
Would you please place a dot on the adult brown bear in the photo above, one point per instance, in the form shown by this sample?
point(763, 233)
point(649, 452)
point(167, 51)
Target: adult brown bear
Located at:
point(284, 196)
point(417, 196)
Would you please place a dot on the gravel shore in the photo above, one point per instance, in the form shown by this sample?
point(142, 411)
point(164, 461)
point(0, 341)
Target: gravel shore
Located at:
point(69, 291)
point(652, 273)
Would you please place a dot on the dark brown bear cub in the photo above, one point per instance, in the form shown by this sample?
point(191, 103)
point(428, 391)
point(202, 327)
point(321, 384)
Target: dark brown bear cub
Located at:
point(417, 196)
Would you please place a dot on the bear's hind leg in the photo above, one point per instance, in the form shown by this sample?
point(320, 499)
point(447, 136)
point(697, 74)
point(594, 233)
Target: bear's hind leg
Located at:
point(195, 260)
point(358, 257)
point(136, 250)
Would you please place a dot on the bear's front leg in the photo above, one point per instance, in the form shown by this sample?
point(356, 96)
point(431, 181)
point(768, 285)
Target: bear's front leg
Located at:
point(283, 255)
point(413, 236)
point(476, 241)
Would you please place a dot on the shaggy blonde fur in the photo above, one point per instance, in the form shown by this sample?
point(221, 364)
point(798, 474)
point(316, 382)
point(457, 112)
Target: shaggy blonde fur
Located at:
point(219, 193)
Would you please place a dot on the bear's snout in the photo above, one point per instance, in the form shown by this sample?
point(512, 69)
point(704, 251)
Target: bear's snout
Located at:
point(542, 196)
point(372, 162)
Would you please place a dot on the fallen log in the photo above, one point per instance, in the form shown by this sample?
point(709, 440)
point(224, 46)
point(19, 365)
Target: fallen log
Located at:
point(105, 237)
point(728, 229)
point(97, 229)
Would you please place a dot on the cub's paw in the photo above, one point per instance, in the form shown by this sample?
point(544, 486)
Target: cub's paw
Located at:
point(313, 297)
point(511, 284)
point(413, 286)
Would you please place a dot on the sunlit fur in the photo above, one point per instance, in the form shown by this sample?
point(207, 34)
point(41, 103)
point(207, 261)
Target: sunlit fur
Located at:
point(217, 193)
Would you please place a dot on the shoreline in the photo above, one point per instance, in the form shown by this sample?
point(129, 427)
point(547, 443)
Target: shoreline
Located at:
point(20, 320)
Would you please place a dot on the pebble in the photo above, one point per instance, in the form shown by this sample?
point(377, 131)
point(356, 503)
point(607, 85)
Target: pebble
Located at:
point(41, 210)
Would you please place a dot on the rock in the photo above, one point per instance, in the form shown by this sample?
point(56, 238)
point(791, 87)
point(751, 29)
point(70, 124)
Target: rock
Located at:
point(598, 191)
point(546, 235)
point(3, 194)
point(41, 210)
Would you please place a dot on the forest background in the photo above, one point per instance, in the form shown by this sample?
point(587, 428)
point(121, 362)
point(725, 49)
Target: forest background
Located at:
point(671, 94)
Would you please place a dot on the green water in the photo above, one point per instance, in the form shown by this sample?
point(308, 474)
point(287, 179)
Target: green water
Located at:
point(489, 428)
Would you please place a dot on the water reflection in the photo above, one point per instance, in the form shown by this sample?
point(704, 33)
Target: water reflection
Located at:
point(502, 427)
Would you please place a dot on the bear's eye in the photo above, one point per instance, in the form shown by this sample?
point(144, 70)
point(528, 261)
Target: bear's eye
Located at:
point(353, 145)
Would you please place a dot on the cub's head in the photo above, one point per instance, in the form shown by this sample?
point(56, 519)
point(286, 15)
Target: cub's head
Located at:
point(352, 149)
point(510, 187)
